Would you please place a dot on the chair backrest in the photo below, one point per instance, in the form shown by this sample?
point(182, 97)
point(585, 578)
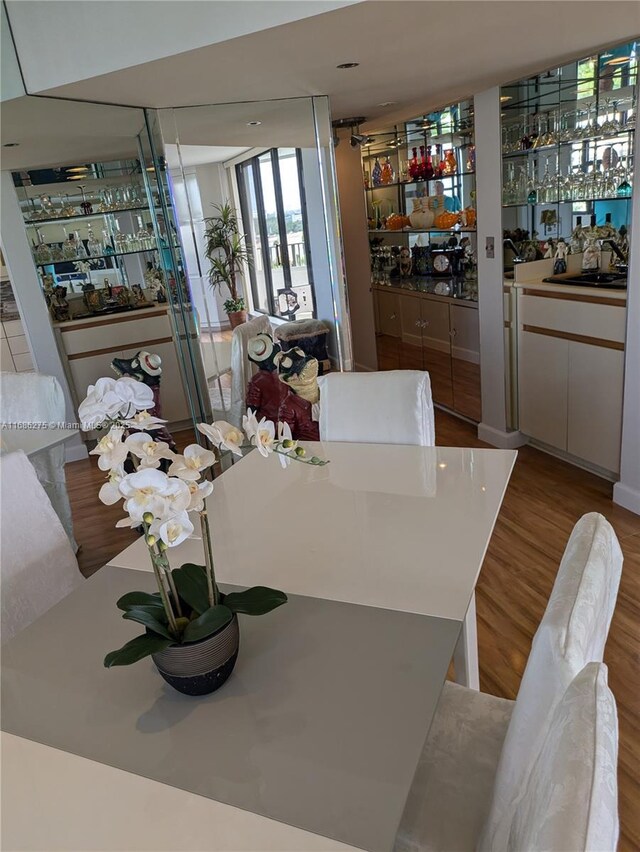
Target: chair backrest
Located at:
point(388, 407)
point(572, 633)
point(570, 799)
point(38, 564)
point(241, 368)
point(31, 397)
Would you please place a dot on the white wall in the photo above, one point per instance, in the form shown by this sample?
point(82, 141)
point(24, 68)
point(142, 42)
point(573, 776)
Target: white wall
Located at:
point(31, 303)
point(63, 41)
point(626, 492)
point(10, 79)
point(353, 216)
point(493, 427)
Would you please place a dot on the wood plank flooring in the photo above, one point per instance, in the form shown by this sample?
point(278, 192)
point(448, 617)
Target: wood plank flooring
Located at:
point(544, 500)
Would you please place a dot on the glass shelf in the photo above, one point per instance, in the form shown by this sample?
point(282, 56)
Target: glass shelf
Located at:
point(58, 219)
point(547, 148)
point(423, 231)
point(99, 257)
point(571, 201)
point(418, 182)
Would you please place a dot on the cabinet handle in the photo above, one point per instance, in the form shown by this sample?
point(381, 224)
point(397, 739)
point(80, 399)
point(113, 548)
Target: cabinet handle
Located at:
point(425, 323)
point(453, 332)
point(392, 316)
point(418, 324)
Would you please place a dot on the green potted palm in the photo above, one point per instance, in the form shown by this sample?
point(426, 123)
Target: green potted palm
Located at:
point(228, 255)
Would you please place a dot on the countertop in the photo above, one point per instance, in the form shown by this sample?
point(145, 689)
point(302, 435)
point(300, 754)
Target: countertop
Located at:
point(459, 289)
point(132, 314)
point(569, 289)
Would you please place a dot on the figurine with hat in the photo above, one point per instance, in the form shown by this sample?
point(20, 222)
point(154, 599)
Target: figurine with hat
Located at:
point(301, 406)
point(265, 391)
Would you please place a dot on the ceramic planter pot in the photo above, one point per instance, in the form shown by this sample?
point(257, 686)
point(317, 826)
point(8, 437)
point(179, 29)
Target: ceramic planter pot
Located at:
point(236, 318)
point(199, 668)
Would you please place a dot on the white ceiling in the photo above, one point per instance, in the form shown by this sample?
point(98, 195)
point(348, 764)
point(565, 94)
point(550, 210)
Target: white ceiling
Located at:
point(199, 155)
point(418, 54)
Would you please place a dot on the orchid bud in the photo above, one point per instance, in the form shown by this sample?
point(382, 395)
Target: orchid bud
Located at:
point(151, 540)
point(147, 518)
point(287, 444)
point(300, 452)
point(162, 546)
point(314, 460)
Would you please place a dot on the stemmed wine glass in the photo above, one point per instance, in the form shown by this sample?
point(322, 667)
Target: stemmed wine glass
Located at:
point(610, 126)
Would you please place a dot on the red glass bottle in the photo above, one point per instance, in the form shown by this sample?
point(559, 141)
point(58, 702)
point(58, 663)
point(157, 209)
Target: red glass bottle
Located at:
point(422, 165)
point(428, 174)
point(413, 165)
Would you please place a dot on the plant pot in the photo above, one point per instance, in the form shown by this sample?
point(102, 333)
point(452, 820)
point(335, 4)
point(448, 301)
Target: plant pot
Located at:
point(236, 318)
point(199, 668)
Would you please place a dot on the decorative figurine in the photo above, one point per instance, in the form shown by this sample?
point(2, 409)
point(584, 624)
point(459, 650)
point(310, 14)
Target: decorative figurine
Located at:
point(147, 367)
point(59, 306)
point(406, 263)
point(591, 256)
point(560, 257)
point(300, 407)
point(265, 391)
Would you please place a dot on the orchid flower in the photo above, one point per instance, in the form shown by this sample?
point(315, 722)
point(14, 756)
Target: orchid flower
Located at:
point(173, 530)
point(110, 449)
point(250, 423)
point(264, 438)
point(224, 435)
point(109, 493)
point(144, 421)
point(199, 492)
point(153, 491)
point(101, 403)
point(192, 462)
point(149, 452)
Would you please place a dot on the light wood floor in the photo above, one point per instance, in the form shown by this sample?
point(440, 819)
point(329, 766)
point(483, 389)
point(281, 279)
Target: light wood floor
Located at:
point(544, 500)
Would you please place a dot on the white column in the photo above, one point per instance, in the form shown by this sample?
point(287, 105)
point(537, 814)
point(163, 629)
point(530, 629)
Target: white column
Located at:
point(493, 427)
point(626, 492)
point(31, 303)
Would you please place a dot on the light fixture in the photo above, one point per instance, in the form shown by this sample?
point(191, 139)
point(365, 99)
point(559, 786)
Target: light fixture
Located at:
point(387, 103)
point(345, 65)
point(77, 177)
point(253, 123)
point(11, 144)
point(505, 98)
point(442, 465)
point(618, 60)
point(78, 169)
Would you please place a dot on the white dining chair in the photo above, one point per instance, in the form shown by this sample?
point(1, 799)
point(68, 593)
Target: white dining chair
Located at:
point(39, 567)
point(241, 368)
point(386, 407)
point(37, 398)
point(569, 802)
point(481, 748)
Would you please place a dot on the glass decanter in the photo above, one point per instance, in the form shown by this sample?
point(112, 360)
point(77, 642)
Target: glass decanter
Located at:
point(94, 246)
point(413, 164)
point(143, 238)
point(376, 173)
point(69, 247)
point(80, 249)
point(387, 172)
point(106, 242)
point(119, 239)
point(450, 162)
point(42, 251)
point(428, 168)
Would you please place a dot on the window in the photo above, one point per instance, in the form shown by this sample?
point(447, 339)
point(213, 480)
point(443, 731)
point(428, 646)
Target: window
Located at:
point(273, 210)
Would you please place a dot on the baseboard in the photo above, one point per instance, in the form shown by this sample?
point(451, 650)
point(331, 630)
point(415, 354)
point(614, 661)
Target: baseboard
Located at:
point(499, 438)
point(563, 455)
point(627, 497)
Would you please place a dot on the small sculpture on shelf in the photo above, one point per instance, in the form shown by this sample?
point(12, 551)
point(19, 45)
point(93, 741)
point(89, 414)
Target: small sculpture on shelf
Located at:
point(591, 255)
point(59, 306)
point(265, 391)
point(560, 257)
point(300, 407)
point(406, 263)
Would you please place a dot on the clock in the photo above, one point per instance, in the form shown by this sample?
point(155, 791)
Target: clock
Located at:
point(442, 288)
point(442, 264)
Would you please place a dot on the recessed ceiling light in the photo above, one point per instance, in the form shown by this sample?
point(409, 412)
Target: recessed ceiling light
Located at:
point(505, 98)
point(10, 144)
point(387, 103)
point(253, 123)
point(348, 65)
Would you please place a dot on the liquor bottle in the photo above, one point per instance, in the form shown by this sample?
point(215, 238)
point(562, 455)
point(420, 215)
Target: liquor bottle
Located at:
point(81, 251)
point(94, 246)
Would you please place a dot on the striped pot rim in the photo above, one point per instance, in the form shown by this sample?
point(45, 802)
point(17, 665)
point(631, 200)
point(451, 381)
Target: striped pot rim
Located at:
point(199, 658)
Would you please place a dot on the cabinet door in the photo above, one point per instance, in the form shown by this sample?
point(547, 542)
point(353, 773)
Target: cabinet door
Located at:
point(465, 361)
point(436, 350)
point(172, 398)
point(596, 376)
point(543, 367)
point(388, 341)
point(411, 326)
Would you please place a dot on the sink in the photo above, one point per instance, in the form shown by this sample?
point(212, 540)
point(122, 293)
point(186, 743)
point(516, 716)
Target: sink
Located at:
point(603, 280)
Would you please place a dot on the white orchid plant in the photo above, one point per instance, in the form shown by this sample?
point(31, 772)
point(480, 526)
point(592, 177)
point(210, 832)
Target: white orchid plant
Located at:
point(160, 492)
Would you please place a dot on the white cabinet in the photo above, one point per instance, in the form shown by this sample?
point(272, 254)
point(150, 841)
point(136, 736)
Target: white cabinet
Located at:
point(594, 414)
point(570, 381)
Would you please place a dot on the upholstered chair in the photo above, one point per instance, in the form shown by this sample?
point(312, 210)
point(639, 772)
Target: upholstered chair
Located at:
point(387, 407)
point(39, 567)
point(480, 749)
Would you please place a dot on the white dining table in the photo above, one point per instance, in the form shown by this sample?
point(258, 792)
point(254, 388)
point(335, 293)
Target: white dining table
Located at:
point(32, 439)
point(313, 742)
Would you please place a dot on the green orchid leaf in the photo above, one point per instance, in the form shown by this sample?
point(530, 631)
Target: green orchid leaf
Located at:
point(213, 619)
point(138, 598)
point(148, 620)
point(191, 583)
point(255, 601)
point(156, 610)
point(136, 649)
